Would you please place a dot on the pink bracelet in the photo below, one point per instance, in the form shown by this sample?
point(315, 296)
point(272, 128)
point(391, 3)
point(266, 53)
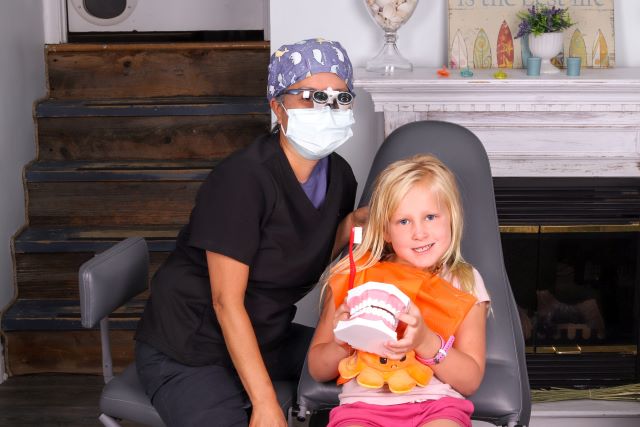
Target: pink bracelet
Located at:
point(441, 353)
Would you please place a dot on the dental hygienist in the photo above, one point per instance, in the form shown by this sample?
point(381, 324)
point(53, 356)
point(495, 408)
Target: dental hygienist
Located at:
point(217, 329)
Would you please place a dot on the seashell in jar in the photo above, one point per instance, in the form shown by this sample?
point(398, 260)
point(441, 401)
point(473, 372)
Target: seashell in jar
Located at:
point(389, 11)
point(383, 3)
point(405, 10)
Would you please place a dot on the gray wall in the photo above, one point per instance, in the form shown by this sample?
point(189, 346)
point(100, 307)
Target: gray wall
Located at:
point(22, 81)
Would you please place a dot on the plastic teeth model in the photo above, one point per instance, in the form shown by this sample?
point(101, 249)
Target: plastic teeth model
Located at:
point(373, 310)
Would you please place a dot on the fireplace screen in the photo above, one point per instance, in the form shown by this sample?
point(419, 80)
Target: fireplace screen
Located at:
point(576, 288)
point(572, 254)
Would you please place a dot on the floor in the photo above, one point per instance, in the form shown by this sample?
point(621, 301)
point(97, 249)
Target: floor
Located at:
point(51, 400)
point(72, 401)
point(62, 400)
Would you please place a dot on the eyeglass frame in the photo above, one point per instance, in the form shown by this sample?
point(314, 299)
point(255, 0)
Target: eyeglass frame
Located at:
point(332, 97)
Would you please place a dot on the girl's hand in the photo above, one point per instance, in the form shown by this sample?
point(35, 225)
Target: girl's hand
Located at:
point(412, 332)
point(342, 313)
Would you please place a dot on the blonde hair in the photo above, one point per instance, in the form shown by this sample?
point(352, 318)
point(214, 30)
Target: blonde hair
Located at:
point(391, 186)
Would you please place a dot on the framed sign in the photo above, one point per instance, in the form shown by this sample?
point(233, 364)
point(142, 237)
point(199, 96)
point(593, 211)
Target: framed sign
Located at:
point(482, 33)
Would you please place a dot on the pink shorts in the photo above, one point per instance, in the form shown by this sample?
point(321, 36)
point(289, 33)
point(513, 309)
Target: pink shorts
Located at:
point(406, 414)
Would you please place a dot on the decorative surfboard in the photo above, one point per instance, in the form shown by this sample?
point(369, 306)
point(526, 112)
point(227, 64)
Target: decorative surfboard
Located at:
point(577, 47)
point(600, 52)
point(482, 51)
point(504, 49)
point(459, 56)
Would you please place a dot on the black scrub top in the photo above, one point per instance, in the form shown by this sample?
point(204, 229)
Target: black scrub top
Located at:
point(253, 209)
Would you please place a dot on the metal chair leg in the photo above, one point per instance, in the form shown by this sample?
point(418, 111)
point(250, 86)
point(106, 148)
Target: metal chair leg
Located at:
point(107, 421)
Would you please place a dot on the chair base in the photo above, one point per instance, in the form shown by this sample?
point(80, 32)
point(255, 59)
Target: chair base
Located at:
point(124, 398)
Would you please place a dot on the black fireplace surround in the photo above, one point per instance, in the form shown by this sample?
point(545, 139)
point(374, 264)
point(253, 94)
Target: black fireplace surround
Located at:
point(572, 252)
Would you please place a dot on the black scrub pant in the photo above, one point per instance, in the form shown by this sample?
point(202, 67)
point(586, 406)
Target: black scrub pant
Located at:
point(194, 396)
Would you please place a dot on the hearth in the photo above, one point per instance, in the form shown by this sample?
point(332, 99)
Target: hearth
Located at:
point(572, 253)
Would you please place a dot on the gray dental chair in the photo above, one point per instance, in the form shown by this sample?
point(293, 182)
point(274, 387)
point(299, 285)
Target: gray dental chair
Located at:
point(503, 397)
point(107, 282)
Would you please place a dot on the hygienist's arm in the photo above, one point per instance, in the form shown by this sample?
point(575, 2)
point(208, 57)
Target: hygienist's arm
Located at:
point(229, 279)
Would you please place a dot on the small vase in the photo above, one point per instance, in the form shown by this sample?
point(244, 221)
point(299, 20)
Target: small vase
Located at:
point(546, 46)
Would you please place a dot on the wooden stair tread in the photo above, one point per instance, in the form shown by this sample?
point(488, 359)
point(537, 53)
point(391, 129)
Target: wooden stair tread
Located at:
point(156, 70)
point(153, 106)
point(175, 137)
point(63, 314)
point(101, 47)
point(93, 239)
point(83, 171)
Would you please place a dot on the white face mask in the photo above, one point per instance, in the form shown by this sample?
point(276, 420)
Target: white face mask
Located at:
point(316, 133)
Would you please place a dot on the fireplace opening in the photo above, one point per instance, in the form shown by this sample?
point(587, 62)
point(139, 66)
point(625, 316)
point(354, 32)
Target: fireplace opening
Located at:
point(572, 253)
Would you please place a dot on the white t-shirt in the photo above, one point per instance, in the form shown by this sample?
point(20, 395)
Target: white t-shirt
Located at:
point(353, 392)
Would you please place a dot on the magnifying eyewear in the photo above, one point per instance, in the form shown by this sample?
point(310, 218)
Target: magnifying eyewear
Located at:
point(321, 98)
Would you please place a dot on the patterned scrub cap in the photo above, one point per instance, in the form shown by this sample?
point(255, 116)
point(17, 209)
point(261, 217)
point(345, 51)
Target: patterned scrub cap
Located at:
point(294, 62)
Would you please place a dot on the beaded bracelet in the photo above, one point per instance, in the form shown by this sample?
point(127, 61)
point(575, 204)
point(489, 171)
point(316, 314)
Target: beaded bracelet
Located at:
point(440, 354)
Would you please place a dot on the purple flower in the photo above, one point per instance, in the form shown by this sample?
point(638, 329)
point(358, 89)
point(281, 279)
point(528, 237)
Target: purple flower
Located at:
point(543, 19)
point(523, 29)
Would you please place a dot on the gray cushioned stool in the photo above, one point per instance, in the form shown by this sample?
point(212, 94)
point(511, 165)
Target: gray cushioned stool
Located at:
point(108, 281)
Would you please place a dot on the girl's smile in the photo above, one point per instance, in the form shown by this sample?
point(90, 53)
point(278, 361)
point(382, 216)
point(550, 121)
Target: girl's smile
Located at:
point(420, 229)
point(422, 249)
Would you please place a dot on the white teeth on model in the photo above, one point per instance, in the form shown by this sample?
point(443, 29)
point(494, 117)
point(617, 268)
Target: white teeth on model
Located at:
point(389, 308)
point(377, 309)
point(378, 312)
point(382, 304)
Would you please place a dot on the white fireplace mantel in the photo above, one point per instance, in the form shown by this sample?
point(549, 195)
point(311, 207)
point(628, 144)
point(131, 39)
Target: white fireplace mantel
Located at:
point(530, 126)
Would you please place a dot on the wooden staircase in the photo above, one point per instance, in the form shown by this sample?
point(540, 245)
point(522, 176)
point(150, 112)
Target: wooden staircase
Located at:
point(126, 137)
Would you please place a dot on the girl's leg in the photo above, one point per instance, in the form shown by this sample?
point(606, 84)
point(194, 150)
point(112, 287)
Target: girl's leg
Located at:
point(446, 412)
point(441, 423)
point(191, 396)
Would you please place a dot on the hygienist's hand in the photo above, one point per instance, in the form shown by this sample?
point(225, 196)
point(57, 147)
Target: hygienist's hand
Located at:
point(360, 216)
point(357, 218)
point(267, 414)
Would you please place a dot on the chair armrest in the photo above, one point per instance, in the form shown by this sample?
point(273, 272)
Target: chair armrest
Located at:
point(314, 396)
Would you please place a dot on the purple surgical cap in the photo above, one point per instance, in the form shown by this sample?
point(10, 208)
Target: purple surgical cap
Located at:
point(294, 62)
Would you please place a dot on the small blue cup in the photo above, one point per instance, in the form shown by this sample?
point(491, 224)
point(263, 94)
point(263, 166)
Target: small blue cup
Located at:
point(533, 66)
point(573, 66)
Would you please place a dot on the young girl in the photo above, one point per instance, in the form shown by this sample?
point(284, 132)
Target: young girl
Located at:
point(415, 228)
